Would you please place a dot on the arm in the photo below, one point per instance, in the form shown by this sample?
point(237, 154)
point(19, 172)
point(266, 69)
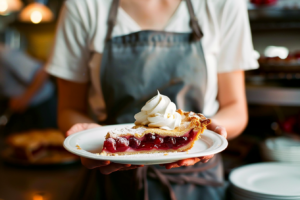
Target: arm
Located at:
point(72, 117)
point(231, 119)
point(20, 103)
point(72, 104)
point(235, 55)
point(233, 111)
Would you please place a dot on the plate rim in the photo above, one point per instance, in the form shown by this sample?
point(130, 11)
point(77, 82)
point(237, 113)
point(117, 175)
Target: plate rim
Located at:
point(122, 159)
point(262, 164)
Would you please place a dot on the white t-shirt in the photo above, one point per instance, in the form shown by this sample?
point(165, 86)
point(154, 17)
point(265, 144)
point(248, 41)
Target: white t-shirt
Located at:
point(82, 28)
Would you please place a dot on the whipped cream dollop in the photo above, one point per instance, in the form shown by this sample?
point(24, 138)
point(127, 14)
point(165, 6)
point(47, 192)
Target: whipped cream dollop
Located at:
point(159, 112)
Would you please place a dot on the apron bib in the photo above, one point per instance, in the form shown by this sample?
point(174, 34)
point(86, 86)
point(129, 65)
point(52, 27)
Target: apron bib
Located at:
point(133, 68)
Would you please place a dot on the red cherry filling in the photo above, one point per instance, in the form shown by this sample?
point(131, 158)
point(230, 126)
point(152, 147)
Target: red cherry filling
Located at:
point(122, 144)
point(181, 140)
point(149, 142)
point(146, 145)
point(110, 145)
point(158, 140)
point(134, 143)
point(170, 141)
point(150, 137)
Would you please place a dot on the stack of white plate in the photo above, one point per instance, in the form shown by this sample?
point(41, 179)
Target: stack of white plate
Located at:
point(281, 149)
point(266, 181)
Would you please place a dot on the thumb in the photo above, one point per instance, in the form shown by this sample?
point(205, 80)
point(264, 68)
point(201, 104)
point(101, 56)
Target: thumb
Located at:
point(221, 130)
point(74, 129)
point(81, 127)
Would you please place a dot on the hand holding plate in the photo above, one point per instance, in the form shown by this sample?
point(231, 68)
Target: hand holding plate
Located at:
point(191, 161)
point(105, 166)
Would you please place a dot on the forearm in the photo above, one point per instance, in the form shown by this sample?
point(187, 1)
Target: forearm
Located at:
point(233, 113)
point(72, 104)
point(39, 79)
point(233, 118)
point(68, 117)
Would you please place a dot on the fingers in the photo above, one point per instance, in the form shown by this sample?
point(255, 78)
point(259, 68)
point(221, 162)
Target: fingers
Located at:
point(180, 163)
point(113, 167)
point(106, 167)
point(131, 167)
point(188, 162)
point(205, 159)
point(171, 165)
point(80, 127)
point(218, 129)
point(92, 164)
point(75, 128)
point(221, 130)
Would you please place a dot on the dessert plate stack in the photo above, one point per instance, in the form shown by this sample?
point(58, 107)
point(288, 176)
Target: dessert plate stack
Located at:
point(281, 149)
point(266, 181)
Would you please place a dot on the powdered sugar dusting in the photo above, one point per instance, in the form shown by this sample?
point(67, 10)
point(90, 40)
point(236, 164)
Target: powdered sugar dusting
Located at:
point(122, 141)
point(126, 130)
point(192, 114)
point(185, 125)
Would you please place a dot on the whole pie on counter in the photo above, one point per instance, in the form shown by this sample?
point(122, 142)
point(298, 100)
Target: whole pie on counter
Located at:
point(33, 145)
point(159, 128)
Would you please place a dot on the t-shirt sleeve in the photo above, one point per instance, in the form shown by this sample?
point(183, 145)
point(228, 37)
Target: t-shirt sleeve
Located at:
point(236, 48)
point(70, 55)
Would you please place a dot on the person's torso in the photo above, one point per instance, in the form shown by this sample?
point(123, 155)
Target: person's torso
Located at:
point(179, 22)
point(133, 68)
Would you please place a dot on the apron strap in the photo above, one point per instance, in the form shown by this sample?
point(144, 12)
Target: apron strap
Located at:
point(194, 24)
point(112, 18)
point(154, 173)
point(166, 180)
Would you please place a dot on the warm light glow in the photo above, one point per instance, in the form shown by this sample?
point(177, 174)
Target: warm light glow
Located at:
point(38, 197)
point(274, 51)
point(3, 6)
point(7, 6)
point(36, 17)
point(36, 13)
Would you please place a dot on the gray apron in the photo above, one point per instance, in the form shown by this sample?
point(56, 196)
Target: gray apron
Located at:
point(133, 68)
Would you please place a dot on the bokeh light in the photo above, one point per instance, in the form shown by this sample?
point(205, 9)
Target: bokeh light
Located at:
point(38, 197)
point(276, 51)
point(36, 17)
point(3, 6)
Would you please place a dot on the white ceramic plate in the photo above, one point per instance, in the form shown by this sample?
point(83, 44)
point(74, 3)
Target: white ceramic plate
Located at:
point(280, 155)
point(283, 143)
point(91, 141)
point(268, 179)
point(248, 195)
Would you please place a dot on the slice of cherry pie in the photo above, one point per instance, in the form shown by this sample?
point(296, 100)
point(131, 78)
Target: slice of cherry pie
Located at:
point(35, 144)
point(148, 139)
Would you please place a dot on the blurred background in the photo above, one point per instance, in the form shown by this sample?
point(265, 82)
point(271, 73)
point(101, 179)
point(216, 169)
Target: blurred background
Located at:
point(37, 168)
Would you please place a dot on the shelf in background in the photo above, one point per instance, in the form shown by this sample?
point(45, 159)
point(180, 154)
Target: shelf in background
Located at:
point(268, 95)
point(285, 14)
point(282, 7)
